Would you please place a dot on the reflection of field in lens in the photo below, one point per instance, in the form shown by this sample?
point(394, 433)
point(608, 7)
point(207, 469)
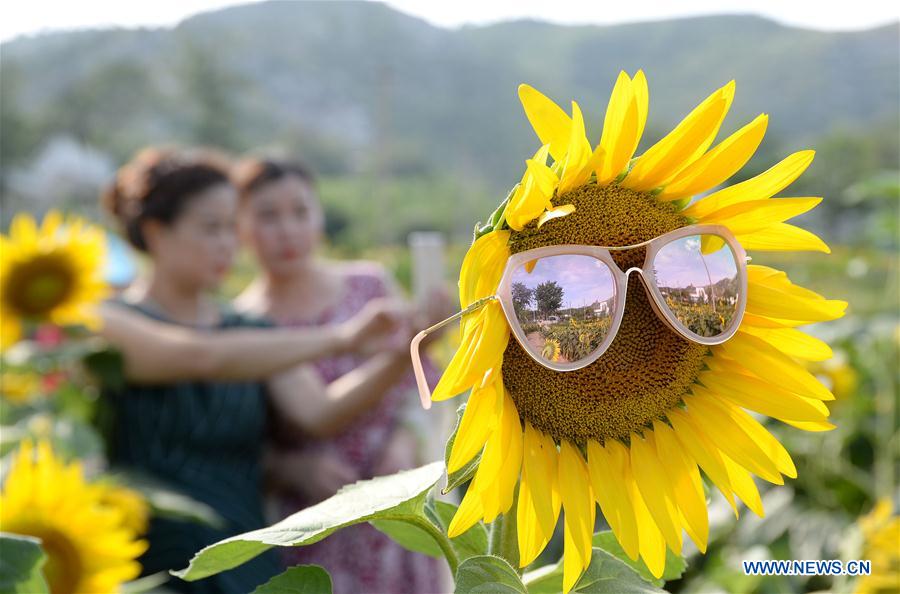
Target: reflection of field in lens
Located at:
point(568, 341)
point(703, 319)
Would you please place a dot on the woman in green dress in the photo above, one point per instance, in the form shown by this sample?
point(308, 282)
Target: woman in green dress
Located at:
point(202, 378)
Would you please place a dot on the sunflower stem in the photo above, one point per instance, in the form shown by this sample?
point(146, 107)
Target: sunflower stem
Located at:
point(442, 540)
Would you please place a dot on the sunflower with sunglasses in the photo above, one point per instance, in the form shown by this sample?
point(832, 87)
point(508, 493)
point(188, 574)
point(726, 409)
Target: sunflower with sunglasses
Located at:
point(641, 334)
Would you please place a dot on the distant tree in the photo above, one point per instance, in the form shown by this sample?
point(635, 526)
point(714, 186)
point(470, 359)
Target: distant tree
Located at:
point(521, 296)
point(548, 296)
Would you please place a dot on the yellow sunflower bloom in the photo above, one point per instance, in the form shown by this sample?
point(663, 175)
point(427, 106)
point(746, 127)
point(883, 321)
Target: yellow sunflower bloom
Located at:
point(633, 430)
point(131, 505)
point(88, 547)
point(50, 273)
point(881, 534)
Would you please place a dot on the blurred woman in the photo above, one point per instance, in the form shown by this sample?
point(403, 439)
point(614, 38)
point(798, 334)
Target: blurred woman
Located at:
point(193, 412)
point(282, 221)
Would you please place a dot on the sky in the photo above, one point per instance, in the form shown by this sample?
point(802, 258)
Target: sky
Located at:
point(33, 16)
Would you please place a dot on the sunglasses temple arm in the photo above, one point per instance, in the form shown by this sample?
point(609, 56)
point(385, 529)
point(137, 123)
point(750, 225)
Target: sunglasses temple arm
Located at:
point(418, 370)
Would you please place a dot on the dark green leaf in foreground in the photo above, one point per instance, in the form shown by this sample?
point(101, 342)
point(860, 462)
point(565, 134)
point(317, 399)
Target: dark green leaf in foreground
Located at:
point(302, 579)
point(21, 559)
point(397, 497)
point(605, 575)
point(675, 564)
point(487, 573)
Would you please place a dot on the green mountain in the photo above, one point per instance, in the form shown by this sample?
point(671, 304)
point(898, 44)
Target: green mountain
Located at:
point(358, 86)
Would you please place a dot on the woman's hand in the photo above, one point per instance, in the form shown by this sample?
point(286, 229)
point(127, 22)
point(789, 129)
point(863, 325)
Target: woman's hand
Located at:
point(382, 324)
point(439, 306)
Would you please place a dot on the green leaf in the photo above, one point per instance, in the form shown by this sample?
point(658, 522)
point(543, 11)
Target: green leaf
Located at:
point(605, 575)
point(107, 365)
point(21, 559)
point(465, 473)
point(149, 583)
point(473, 541)
point(675, 564)
point(410, 536)
point(397, 497)
point(167, 501)
point(301, 579)
point(487, 573)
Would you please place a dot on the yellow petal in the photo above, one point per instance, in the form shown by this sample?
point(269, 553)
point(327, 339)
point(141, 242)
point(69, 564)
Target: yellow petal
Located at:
point(536, 527)
point(23, 229)
point(483, 343)
point(610, 471)
point(470, 510)
point(765, 185)
point(620, 130)
point(679, 148)
point(756, 321)
point(718, 425)
point(744, 487)
point(652, 480)
point(533, 194)
point(765, 440)
point(540, 462)
point(811, 425)
point(483, 266)
point(480, 418)
point(765, 360)
point(642, 101)
point(686, 484)
point(719, 164)
point(528, 532)
point(753, 215)
point(792, 342)
point(578, 504)
point(652, 545)
point(786, 303)
point(703, 451)
point(576, 171)
point(782, 237)
point(10, 330)
point(728, 381)
point(565, 209)
point(550, 122)
point(502, 460)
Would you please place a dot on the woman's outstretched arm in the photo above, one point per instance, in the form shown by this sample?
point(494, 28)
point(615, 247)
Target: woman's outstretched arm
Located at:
point(300, 398)
point(157, 352)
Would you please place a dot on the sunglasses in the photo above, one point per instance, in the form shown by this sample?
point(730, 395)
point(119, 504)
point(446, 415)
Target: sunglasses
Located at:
point(565, 303)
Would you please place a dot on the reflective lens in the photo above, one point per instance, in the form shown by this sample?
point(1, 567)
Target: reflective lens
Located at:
point(564, 305)
point(698, 278)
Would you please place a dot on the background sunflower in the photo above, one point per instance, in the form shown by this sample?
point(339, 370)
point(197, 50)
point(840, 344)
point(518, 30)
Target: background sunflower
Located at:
point(632, 431)
point(50, 273)
point(89, 539)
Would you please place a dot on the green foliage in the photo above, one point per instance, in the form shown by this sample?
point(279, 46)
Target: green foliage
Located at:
point(606, 574)
point(455, 479)
point(675, 564)
point(548, 296)
point(487, 573)
point(21, 560)
point(301, 579)
point(399, 497)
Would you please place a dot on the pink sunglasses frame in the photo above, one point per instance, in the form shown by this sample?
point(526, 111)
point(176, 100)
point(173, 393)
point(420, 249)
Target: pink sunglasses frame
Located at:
point(620, 279)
